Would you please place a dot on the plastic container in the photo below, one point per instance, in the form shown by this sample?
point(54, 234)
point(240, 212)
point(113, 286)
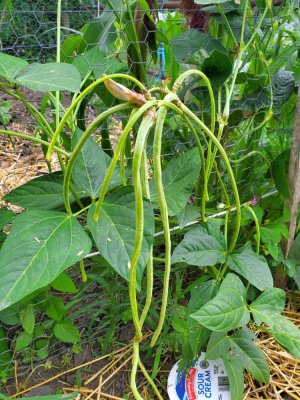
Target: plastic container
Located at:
point(206, 380)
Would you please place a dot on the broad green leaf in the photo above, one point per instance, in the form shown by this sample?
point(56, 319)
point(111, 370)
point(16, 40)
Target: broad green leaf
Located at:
point(5, 112)
point(201, 294)
point(27, 317)
point(40, 246)
point(100, 31)
point(271, 301)
point(197, 335)
point(6, 216)
point(294, 254)
point(5, 355)
point(42, 193)
point(178, 178)
point(98, 62)
point(203, 245)
point(271, 233)
point(49, 77)
point(23, 340)
point(195, 47)
point(69, 396)
point(252, 267)
point(10, 65)
point(64, 284)
point(251, 357)
point(283, 85)
point(90, 167)
point(217, 346)
point(228, 310)
point(55, 309)
point(205, 2)
point(66, 332)
point(279, 172)
point(235, 374)
point(287, 335)
point(188, 214)
point(114, 232)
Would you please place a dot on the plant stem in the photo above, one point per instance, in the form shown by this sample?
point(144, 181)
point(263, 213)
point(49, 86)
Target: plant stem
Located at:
point(151, 382)
point(34, 139)
point(135, 361)
point(58, 44)
point(79, 98)
point(227, 24)
point(256, 226)
point(186, 74)
point(90, 129)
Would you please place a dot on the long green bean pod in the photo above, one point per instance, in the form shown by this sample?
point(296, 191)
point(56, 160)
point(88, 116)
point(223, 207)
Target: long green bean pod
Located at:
point(162, 112)
point(143, 131)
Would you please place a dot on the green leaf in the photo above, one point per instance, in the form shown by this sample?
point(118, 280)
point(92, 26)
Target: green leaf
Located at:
point(42, 193)
point(178, 180)
point(283, 85)
point(205, 2)
point(217, 346)
point(6, 216)
point(23, 340)
point(270, 302)
point(294, 254)
point(90, 167)
point(235, 374)
point(55, 309)
point(114, 232)
point(40, 246)
point(69, 396)
point(287, 335)
point(64, 284)
point(202, 245)
point(228, 310)
point(271, 233)
point(97, 61)
point(50, 77)
point(27, 318)
point(251, 357)
point(10, 66)
point(252, 267)
point(201, 294)
point(195, 47)
point(279, 172)
point(66, 332)
point(5, 114)
point(188, 214)
point(5, 355)
point(197, 335)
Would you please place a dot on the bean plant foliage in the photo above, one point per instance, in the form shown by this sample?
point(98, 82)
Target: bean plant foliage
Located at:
point(146, 215)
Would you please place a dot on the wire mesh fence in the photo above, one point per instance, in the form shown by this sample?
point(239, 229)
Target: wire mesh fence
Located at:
point(95, 39)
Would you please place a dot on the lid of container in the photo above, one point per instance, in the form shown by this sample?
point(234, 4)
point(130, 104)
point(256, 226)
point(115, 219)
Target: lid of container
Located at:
point(207, 379)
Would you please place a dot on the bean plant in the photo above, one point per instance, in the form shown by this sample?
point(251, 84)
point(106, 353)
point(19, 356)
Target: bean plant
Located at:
point(119, 200)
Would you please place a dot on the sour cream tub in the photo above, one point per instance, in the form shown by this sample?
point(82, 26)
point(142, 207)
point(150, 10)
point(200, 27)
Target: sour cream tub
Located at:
point(205, 380)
